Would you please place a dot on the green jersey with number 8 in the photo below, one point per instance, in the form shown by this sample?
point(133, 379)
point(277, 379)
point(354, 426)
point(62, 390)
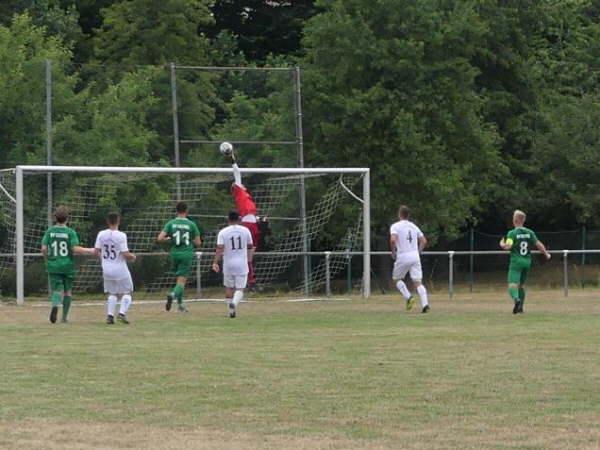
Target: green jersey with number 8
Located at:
point(522, 239)
point(60, 241)
point(182, 232)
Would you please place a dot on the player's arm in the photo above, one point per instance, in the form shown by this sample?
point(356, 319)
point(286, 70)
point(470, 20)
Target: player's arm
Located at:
point(79, 250)
point(129, 256)
point(163, 237)
point(506, 243)
point(44, 247)
point(237, 175)
point(217, 258)
point(542, 248)
point(393, 239)
point(422, 240)
point(250, 252)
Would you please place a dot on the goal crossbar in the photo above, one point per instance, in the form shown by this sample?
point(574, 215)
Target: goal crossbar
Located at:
point(25, 169)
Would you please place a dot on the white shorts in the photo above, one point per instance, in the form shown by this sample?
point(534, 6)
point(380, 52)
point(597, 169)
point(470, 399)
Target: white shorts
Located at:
point(116, 287)
point(235, 281)
point(411, 265)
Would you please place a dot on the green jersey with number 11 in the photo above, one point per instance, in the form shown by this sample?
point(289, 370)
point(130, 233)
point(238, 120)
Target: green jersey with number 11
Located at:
point(60, 241)
point(182, 232)
point(522, 239)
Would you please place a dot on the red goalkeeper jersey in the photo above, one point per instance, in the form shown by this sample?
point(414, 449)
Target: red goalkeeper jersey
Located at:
point(243, 201)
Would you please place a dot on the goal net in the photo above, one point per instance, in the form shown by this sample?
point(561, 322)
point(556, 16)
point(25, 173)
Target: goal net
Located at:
point(301, 253)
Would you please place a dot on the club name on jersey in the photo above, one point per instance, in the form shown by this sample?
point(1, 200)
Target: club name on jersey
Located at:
point(59, 235)
point(523, 236)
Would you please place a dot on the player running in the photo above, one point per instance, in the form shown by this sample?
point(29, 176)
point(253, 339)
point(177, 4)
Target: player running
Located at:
point(235, 247)
point(59, 244)
point(406, 242)
point(248, 211)
point(518, 241)
point(183, 235)
point(111, 245)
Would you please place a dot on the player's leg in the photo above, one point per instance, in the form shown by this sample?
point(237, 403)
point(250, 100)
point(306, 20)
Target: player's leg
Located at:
point(111, 301)
point(240, 282)
point(125, 288)
point(523, 280)
point(399, 272)
point(229, 283)
point(57, 289)
point(416, 275)
point(514, 278)
point(68, 281)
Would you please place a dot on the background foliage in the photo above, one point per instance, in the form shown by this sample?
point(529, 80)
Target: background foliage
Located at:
point(464, 109)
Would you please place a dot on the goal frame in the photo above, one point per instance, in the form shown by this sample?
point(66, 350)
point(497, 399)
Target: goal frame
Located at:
point(20, 170)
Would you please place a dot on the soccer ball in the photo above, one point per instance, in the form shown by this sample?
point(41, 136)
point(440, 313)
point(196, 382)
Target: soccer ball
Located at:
point(226, 148)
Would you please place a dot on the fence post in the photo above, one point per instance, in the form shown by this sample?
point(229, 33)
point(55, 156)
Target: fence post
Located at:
point(471, 258)
point(349, 274)
point(566, 272)
point(198, 275)
point(451, 273)
point(327, 274)
point(583, 245)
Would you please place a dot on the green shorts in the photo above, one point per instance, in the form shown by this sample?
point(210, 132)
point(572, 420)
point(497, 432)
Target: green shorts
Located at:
point(182, 265)
point(61, 281)
point(517, 273)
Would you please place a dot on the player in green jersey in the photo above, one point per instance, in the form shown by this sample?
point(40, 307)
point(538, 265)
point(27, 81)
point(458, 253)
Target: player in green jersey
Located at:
point(183, 235)
point(519, 241)
point(59, 244)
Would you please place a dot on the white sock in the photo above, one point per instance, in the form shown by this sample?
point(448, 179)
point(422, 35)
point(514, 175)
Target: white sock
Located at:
point(237, 297)
point(111, 304)
point(423, 296)
point(125, 302)
point(403, 289)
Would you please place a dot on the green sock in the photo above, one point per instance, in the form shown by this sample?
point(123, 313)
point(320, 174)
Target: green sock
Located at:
point(522, 295)
point(514, 293)
point(178, 293)
point(66, 307)
point(55, 299)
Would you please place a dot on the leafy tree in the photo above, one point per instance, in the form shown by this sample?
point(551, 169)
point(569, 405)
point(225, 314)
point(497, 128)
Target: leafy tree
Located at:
point(264, 27)
point(394, 89)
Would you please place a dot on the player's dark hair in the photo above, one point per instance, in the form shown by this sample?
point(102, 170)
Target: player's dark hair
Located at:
point(113, 218)
point(61, 214)
point(233, 216)
point(181, 207)
point(403, 212)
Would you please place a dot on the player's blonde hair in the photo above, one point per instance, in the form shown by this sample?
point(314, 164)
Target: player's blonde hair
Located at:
point(519, 216)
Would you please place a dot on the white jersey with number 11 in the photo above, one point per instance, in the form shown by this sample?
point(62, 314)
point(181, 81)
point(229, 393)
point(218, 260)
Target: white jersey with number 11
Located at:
point(235, 240)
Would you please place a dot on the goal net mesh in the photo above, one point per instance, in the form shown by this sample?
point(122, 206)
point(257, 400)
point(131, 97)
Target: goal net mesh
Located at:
point(146, 202)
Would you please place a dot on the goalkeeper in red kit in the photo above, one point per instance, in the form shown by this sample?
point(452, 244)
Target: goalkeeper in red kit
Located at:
point(246, 207)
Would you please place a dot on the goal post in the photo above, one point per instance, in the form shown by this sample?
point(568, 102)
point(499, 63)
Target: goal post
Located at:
point(20, 194)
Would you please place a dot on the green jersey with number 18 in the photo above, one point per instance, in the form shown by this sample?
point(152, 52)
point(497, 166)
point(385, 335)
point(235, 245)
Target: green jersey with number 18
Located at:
point(522, 239)
point(60, 241)
point(182, 232)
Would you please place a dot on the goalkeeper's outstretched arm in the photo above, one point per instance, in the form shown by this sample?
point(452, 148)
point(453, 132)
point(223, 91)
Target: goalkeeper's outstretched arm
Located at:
point(237, 175)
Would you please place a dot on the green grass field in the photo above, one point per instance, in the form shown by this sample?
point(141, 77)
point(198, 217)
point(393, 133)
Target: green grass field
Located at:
point(345, 374)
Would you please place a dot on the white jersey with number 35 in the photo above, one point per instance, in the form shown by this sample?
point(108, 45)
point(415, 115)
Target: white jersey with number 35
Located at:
point(112, 244)
point(235, 240)
point(408, 235)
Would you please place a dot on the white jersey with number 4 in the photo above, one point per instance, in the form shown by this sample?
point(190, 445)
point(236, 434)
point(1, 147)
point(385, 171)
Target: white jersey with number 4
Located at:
point(235, 240)
point(407, 240)
point(112, 244)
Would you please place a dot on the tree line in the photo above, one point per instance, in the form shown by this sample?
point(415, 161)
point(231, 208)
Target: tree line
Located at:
point(463, 109)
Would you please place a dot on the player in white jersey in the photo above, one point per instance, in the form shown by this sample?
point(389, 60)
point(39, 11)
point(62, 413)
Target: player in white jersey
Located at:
point(235, 247)
point(111, 245)
point(406, 242)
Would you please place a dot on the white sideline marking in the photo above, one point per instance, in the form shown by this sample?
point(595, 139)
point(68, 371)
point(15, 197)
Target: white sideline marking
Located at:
point(202, 300)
